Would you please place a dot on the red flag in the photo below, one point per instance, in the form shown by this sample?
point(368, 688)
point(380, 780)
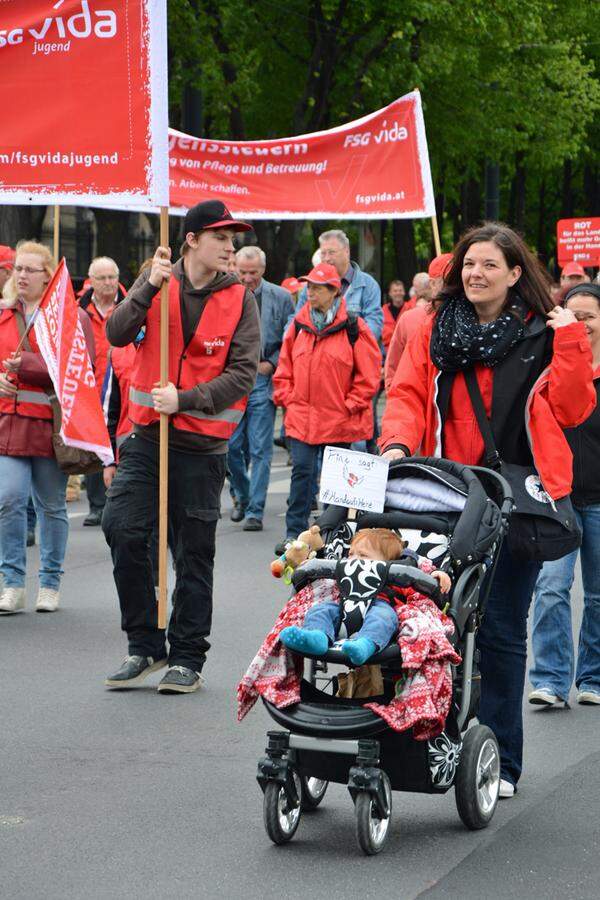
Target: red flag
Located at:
point(63, 347)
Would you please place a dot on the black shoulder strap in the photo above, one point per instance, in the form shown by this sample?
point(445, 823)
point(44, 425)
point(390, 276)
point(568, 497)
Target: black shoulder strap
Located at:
point(492, 457)
point(352, 328)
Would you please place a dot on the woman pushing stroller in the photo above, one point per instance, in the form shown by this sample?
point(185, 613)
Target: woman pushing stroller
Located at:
point(533, 368)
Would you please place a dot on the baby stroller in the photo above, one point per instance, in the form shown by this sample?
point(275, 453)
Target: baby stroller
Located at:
point(457, 520)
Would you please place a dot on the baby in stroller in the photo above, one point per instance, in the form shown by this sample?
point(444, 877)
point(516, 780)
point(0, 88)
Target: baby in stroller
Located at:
point(328, 619)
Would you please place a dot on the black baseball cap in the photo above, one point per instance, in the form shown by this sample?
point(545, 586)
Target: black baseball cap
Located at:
point(211, 214)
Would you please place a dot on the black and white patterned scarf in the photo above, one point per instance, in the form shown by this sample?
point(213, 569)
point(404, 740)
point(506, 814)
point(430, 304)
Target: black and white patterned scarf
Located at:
point(459, 339)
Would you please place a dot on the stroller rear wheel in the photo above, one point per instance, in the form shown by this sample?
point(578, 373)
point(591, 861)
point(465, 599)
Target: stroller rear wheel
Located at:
point(478, 777)
point(312, 791)
point(371, 831)
point(281, 819)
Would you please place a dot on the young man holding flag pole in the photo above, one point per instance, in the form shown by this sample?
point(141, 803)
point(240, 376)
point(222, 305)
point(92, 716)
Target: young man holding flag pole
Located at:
point(213, 334)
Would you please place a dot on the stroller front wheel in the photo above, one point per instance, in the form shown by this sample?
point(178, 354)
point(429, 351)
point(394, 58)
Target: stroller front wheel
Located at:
point(371, 831)
point(281, 819)
point(478, 777)
point(312, 791)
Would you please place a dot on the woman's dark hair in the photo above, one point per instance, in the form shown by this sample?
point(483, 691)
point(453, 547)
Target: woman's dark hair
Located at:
point(589, 289)
point(534, 282)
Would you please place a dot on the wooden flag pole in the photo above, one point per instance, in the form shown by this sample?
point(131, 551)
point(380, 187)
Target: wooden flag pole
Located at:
point(56, 247)
point(163, 494)
point(436, 235)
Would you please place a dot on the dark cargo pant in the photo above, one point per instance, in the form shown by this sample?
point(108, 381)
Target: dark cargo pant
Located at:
point(130, 516)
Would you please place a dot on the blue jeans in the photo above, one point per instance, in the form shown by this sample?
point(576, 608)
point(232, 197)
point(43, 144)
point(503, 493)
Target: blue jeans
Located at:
point(21, 476)
point(552, 634)
point(502, 641)
point(380, 623)
point(256, 431)
point(304, 474)
point(31, 516)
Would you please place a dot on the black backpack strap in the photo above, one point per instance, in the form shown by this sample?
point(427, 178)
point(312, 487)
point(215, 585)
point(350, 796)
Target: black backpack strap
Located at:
point(352, 328)
point(492, 457)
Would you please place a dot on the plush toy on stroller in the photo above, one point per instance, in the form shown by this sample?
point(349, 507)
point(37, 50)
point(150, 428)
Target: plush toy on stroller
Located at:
point(407, 730)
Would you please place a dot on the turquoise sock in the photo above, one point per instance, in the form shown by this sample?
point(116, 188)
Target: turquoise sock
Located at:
point(359, 650)
point(305, 640)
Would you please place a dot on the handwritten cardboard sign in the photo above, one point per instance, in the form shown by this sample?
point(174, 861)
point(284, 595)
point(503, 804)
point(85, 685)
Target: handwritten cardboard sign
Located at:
point(355, 480)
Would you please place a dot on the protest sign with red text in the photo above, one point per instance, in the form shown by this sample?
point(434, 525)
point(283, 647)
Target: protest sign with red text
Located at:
point(62, 345)
point(84, 90)
point(374, 167)
point(578, 240)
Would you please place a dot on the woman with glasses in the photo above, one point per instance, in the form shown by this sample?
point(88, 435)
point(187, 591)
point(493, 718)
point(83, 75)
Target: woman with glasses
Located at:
point(27, 462)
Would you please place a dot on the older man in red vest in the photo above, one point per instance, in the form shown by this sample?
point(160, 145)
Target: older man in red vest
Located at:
point(214, 349)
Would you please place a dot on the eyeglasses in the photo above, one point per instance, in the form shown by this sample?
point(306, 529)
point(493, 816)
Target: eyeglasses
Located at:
point(27, 270)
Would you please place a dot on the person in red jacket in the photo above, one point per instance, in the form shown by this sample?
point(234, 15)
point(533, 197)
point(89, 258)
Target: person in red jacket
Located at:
point(327, 376)
point(412, 319)
point(99, 301)
point(533, 360)
point(394, 305)
point(28, 464)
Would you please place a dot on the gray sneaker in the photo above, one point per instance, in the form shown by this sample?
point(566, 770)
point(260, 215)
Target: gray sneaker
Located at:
point(545, 697)
point(133, 671)
point(180, 680)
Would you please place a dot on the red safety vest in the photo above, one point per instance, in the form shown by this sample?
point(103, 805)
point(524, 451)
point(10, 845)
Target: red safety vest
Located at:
point(30, 400)
point(122, 360)
point(198, 362)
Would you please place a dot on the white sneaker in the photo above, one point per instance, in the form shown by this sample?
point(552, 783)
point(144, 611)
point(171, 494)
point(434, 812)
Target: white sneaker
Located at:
point(543, 697)
point(47, 600)
point(507, 789)
point(12, 600)
point(589, 698)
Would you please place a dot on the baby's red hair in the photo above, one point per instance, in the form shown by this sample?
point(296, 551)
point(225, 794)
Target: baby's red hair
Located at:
point(383, 543)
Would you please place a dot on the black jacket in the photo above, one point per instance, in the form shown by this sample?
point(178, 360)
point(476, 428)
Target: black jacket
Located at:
point(584, 441)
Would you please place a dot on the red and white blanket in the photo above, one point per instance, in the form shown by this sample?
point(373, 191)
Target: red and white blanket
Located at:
point(423, 695)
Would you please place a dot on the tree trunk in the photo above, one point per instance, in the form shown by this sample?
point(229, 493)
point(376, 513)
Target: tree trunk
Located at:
point(404, 250)
point(18, 223)
point(470, 203)
point(114, 240)
point(542, 235)
point(591, 190)
point(567, 190)
point(516, 201)
point(280, 243)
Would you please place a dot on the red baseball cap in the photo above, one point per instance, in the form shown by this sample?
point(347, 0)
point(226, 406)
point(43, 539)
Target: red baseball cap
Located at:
point(291, 284)
point(573, 268)
point(7, 257)
point(439, 265)
point(211, 214)
point(323, 274)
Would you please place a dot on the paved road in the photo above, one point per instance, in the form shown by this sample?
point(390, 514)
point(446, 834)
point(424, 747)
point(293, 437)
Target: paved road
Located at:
point(106, 795)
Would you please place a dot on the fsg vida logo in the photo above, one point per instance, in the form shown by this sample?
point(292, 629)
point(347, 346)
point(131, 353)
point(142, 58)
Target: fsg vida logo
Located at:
point(55, 32)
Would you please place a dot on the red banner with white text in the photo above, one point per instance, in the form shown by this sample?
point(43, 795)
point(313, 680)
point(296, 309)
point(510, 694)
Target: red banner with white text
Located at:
point(374, 167)
point(83, 88)
point(62, 344)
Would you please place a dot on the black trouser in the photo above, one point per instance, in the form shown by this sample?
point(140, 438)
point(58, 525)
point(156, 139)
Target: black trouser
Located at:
point(130, 515)
point(96, 492)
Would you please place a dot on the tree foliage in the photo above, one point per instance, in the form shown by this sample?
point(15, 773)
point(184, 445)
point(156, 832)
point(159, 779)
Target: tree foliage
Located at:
point(502, 81)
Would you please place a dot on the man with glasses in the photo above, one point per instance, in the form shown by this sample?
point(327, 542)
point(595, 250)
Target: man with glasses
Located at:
point(98, 302)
